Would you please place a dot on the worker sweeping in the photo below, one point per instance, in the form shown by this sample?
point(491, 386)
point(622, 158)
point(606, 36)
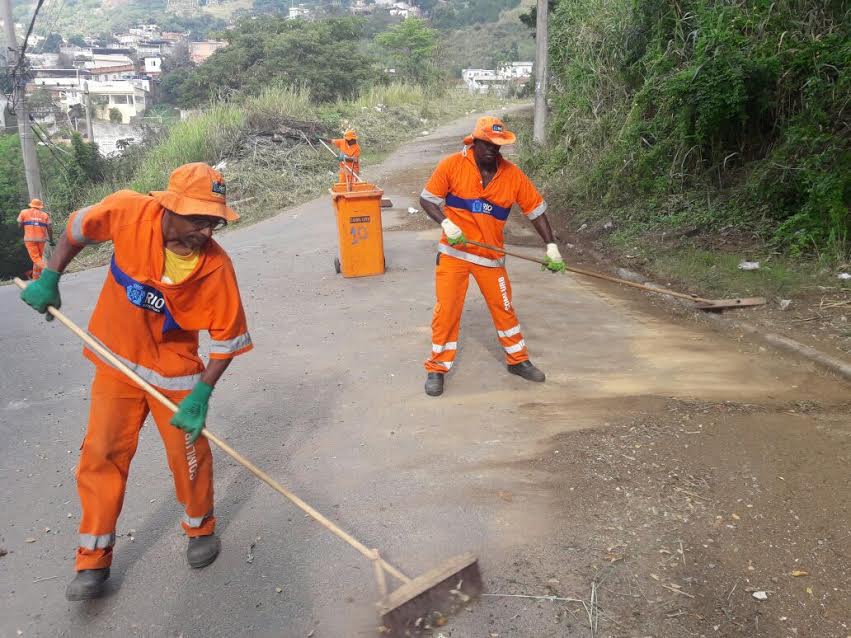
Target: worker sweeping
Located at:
point(167, 280)
point(349, 156)
point(38, 230)
point(477, 188)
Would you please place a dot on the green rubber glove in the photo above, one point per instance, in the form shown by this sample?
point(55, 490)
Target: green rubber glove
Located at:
point(43, 292)
point(192, 412)
point(458, 240)
point(552, 265)
point(341, 157)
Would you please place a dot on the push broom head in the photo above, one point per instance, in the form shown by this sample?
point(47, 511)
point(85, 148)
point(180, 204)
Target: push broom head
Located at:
point(425, 602)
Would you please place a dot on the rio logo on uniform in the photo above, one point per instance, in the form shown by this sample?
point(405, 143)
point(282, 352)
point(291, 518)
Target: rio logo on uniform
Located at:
point(481, 206)
point(144, 297)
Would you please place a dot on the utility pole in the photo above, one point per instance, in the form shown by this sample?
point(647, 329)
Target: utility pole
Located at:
point(31, 167)
point(88, 104)
point(539, 133)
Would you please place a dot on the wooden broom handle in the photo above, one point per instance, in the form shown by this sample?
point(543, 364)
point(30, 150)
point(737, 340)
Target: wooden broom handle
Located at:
point(104, 352)
point(591, 273)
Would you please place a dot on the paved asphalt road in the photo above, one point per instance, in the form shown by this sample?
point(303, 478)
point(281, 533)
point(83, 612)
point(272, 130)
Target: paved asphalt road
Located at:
point(330, 402)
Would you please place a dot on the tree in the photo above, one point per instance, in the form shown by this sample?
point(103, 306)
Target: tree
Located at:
point(115, 116)
point(427, 6)
point(76, 40)
point(411, 48)
point(323, 56)
point(13, 194)
point(52, 43)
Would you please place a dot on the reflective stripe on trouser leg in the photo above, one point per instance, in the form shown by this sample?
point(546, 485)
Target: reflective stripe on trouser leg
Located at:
point(496, 289)
point(194, 521)
point(116, 414)
point(451, 278)
point(191, 467)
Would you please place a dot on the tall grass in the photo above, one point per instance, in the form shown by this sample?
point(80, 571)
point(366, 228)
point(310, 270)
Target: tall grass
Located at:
point(275, 103)
point(396, 94)
point(276, 174)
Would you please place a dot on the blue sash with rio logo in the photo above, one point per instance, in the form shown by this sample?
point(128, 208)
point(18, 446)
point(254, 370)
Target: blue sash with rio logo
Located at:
point(142, 296)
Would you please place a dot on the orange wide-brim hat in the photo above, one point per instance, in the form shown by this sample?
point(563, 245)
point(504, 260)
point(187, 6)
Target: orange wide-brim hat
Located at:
point(491, 129)
point(350, 134)
point(36, 203)
point(196, 189)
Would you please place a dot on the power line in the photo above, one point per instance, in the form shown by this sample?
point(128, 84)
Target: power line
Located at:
point(50, 145)
point(29, 31)
point(58, 6)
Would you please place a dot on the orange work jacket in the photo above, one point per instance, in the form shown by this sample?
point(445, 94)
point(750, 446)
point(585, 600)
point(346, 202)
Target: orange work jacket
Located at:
point(352, 151)
point(150, 325)
point(36, 223)
point(480, 212)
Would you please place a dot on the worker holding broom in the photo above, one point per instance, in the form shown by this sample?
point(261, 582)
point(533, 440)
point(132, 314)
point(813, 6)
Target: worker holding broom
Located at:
point(168, 279)
point(477, 188)
point(349, 156)
point(38, 231)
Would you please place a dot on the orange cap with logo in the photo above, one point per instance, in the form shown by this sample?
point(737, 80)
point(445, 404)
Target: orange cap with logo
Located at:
point(196, 189)
point(36, 203)
point(491, 129)
point(350, 134)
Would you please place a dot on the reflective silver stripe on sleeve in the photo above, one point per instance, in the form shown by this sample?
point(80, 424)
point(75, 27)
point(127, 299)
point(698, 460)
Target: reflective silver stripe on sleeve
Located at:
point(450, 345)
point(517, 347)
point(77, 227)
point(228, 346)
point(473, 259)
point(431, 197)
point(93, 541)
point(510, 332)
point(194, 521)
point(445, 364)
point(539, 210)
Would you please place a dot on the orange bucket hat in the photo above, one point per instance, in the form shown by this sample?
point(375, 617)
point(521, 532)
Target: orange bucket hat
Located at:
point(196, 189)
point(491, 129)
point(36, 203)
point(350, 134)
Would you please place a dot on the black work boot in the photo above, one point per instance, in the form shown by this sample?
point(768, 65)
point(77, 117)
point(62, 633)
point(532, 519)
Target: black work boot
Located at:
point(87, 584)
point(528, 371)
point(434, 384)
point(202, 550)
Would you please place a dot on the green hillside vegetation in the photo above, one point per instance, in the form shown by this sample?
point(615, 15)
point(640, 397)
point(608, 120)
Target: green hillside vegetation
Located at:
point(488, 45)
point(92, 18)
point(322, 55)
point(701, 115)
point(267, 141)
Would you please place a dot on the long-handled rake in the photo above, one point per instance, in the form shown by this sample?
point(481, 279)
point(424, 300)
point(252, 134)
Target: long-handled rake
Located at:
point(700, 302)
point(404, 611)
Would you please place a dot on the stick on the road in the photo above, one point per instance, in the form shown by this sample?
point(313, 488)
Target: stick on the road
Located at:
point(432, 591)
point(703, 304)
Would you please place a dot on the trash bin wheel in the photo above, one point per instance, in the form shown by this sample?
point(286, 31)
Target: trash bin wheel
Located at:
point(337, 265)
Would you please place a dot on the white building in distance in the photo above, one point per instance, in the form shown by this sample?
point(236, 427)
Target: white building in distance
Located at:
point(501, 80)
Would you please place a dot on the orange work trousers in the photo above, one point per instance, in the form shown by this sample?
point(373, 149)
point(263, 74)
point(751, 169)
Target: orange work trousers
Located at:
point(118, 410)
point(451, 278)
point(36, 251)
point(346, 176)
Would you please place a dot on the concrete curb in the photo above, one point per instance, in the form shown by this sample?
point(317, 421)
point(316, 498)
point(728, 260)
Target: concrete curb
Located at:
point(827, 362)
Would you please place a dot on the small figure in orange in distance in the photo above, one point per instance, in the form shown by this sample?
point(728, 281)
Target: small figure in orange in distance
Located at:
point(38, 230)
